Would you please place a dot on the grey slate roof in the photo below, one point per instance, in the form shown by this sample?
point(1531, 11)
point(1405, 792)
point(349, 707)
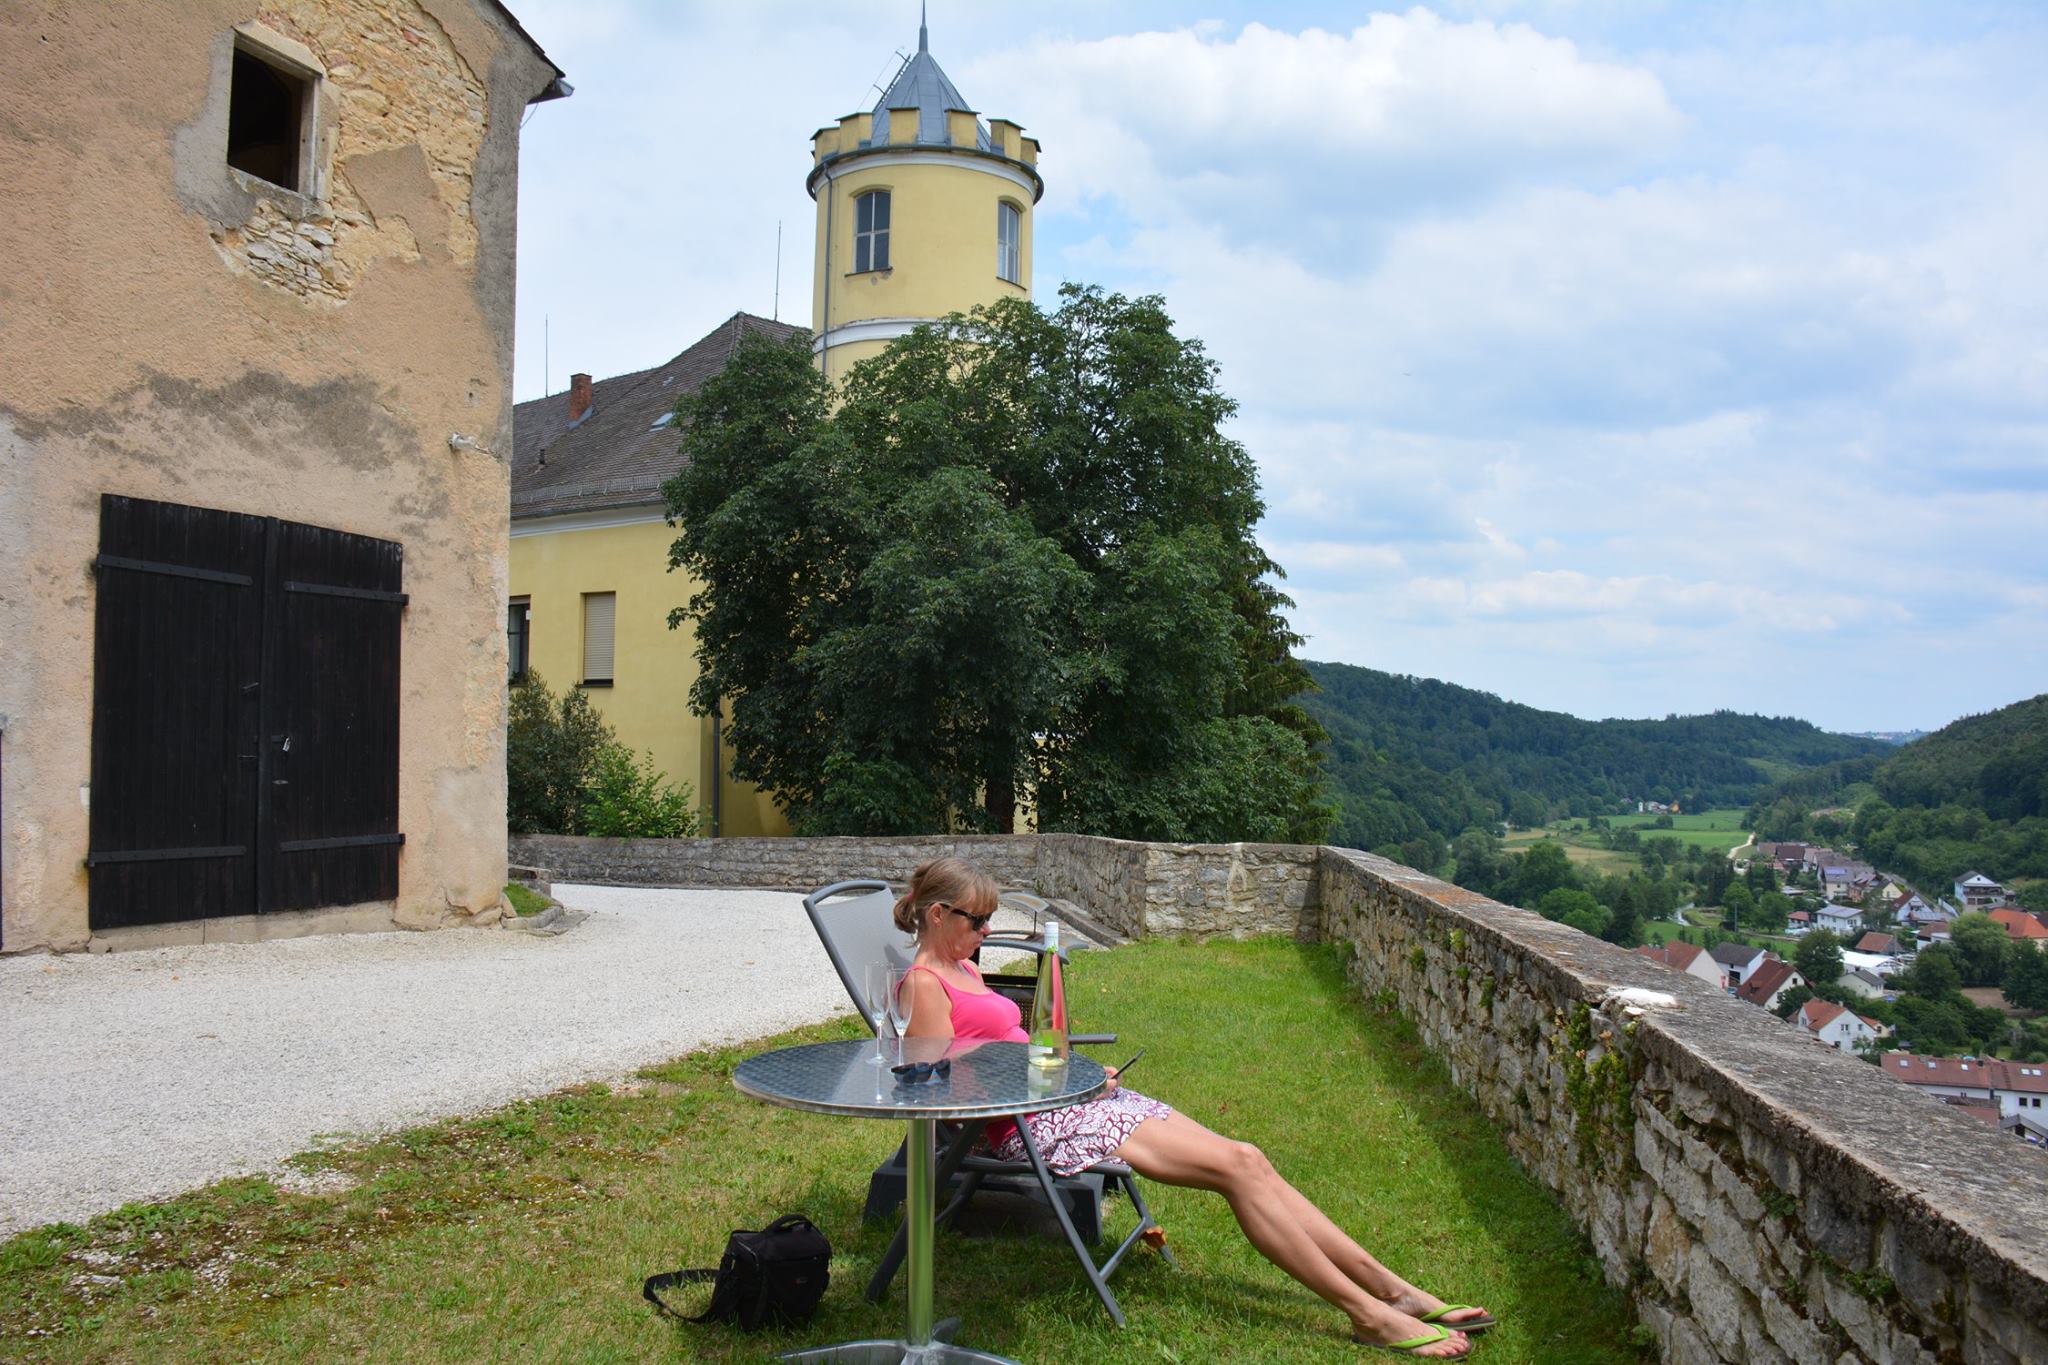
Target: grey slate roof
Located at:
point(923, 86)
point(1736, 954)
point(616, 456)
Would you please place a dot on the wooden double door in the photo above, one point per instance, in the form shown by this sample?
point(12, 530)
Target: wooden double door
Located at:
point(244, 716)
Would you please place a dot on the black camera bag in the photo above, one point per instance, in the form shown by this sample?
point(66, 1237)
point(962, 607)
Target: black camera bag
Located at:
point(773, 1277)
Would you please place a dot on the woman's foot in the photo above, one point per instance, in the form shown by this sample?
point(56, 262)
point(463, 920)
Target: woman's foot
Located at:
point(1402, 1332)
point(1428, 1308)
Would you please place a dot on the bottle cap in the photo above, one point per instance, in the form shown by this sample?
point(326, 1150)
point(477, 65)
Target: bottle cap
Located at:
point(1052, 934)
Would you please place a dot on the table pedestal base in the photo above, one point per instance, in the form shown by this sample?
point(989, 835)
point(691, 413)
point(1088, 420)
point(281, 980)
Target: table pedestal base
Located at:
point(899, 1352)
point(923, 1340)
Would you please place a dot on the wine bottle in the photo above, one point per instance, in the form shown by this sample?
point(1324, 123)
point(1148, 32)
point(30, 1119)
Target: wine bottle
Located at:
point(1048, 1046)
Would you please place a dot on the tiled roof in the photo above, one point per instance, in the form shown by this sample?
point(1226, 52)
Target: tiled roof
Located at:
point(1766, 982)
point(616, 456)
point(1988, 1073)
point(2018, 923)
point(1736, 954)
point(1818, 1014)
point(1874, 942)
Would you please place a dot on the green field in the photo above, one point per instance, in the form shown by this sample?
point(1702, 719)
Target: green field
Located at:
point(1719, 830)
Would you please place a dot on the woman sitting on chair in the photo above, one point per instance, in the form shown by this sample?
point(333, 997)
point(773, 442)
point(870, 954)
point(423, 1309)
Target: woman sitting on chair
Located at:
point(947, 908)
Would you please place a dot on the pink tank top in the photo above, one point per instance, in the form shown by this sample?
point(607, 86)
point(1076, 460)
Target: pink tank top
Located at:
point(982, 1016)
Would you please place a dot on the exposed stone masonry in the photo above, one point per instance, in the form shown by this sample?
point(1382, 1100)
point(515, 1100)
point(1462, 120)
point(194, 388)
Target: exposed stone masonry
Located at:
point(1762, 1198)
point(394, 83)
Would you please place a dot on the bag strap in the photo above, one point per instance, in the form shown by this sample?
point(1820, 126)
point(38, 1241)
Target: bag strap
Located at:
point(650, 1290)
point(789, 1221)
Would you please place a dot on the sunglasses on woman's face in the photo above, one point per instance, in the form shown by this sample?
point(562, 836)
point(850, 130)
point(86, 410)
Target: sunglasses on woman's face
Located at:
point(979, 923)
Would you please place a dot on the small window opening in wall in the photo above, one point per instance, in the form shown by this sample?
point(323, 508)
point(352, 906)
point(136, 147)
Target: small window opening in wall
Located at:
point(518, 632)
point(599, 614)
point(871, 231)
point(267, 116)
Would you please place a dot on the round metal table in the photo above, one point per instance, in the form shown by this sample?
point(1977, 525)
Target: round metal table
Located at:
point(985, 1080)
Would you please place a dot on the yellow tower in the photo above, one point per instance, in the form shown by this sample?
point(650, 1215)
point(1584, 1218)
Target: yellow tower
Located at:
point(923, 210)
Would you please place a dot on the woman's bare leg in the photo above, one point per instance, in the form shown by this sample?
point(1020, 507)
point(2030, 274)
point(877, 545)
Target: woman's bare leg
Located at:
point(1176, 1150)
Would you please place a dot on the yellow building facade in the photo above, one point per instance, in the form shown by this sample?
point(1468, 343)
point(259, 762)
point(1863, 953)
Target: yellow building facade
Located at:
point(923, 209)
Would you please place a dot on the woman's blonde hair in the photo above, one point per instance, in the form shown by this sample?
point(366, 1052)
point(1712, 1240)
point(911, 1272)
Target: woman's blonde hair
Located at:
point(949, 881)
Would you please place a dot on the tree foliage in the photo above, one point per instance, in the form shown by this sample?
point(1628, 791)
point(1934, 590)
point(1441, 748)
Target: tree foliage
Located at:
point(1015, 561)
point(1973, 796)
point(1819, 958)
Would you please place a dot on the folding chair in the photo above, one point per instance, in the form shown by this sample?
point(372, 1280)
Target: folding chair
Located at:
point(853, 920)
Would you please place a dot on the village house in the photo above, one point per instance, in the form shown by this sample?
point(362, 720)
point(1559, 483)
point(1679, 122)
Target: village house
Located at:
point(254, 423)
point(1769, 983)
point(1738, 962)
point(1684, 957)
point(1837, 1027)
point(1845, 920)
point(1880, 944)
point(2018, 924)
point(2016, 1092)
point(1975, 891)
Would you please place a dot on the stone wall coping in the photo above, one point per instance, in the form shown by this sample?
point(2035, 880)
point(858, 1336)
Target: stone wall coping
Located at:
point(1842, 1114)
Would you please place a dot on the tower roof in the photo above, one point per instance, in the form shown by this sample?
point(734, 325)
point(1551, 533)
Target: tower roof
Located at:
point(922, 86)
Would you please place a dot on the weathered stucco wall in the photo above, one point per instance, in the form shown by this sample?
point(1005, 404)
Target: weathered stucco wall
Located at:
point(175, 330)
point(1763, 1198)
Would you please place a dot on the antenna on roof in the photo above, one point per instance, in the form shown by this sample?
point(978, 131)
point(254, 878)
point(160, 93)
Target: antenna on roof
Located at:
point(776, 312)
point(546, 374)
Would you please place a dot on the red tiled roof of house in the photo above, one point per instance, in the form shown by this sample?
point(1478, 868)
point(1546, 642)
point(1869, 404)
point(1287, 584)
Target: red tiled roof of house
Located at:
point(1818, 1014)
point(2018, 923)
point(1764, 983)
point(1987, 1073)
point(1874, 942)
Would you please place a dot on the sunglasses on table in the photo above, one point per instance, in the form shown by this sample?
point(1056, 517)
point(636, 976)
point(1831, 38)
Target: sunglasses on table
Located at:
point(979, 923)
point(909, 1073)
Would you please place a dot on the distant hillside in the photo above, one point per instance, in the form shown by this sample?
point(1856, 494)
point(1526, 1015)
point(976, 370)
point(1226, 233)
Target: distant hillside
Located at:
point(1413, 755)
point(1996, 763)
point(1972, 796)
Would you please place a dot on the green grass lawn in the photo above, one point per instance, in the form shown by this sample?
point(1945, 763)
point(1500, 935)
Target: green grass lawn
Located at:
point(523, 1234)
point(1715, 829)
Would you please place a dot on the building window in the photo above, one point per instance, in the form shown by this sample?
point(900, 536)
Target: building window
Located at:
point(1009, 243)
point(871, 231)
point(599, 613)
point(518, 618)
point(270, 116)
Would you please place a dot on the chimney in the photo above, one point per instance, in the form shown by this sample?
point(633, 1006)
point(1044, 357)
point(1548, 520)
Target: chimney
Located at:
point(579, 396)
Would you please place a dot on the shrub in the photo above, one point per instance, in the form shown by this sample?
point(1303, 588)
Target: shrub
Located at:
point(551, 751)
point(629, 798)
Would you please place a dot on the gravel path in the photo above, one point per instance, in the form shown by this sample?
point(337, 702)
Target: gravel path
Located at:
point(140, 1075)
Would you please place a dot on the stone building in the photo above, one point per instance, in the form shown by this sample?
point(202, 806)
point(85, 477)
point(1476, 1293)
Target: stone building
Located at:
point(254, 427)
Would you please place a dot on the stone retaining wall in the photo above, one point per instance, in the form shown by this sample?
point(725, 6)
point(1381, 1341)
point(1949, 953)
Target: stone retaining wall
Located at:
point(1762, 1198)
point(1134, 888)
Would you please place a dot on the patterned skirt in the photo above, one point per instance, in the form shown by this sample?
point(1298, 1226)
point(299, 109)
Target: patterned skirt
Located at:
point(1076, 1137)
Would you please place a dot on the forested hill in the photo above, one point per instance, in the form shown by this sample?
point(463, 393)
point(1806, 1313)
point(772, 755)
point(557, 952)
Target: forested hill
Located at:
point(1408, 756)
point(1972, 796)
point(1996, 763)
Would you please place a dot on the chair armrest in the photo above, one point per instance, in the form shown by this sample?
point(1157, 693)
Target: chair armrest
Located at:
point(1010, 938)
point(1091, 1039)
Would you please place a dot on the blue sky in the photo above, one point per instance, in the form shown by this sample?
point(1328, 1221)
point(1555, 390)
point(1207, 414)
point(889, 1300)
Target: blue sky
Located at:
point(1620, 358)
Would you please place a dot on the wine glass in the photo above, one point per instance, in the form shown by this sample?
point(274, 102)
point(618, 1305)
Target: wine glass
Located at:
point(899, 1000)
point(874, 988)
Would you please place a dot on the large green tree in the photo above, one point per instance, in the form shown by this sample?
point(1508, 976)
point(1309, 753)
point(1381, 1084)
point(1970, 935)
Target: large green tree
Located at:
point(1012, 557)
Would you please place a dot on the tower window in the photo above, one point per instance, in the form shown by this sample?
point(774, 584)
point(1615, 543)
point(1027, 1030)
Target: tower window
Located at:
point(269, 112)
point(1009, 237)
point(871, 231)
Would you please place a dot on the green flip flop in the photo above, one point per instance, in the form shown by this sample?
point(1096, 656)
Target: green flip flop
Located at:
point(1468, 1326)
point(1410, 1346)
